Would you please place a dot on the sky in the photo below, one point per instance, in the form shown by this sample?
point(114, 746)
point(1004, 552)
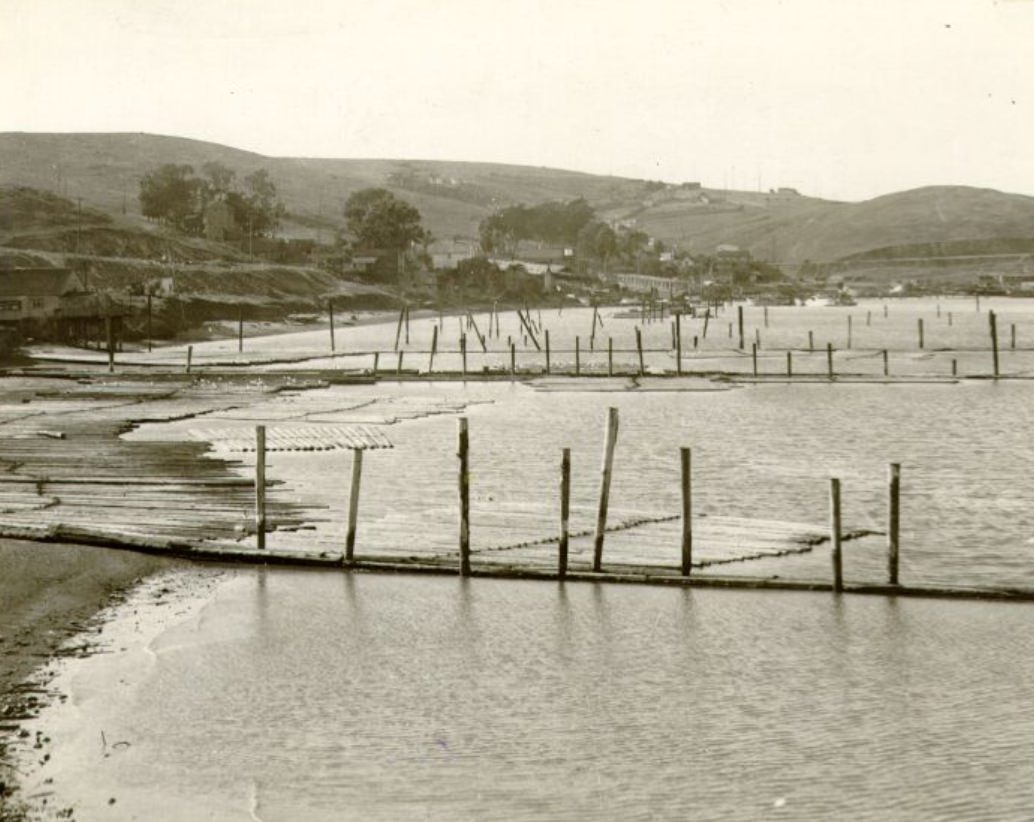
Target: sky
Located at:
point(845, 99)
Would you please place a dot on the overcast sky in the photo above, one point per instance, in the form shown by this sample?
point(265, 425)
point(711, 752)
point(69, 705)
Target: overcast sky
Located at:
point(845, 99)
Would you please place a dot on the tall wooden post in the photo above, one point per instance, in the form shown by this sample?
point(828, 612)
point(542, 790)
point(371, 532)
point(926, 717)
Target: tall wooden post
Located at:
point(678, 344)
point(407, 324)
point(376, 361)
point(605, 474)
point(766, 316)
point(565, 511)
point(739, 322)
point(513, 359)
point(754, 357)
point(834, 534)
point(829, 359)
point(1012, 335)
point(994, 339)
point(110, 333)
point(789, 363)
point(434, 348)
point(398, 328)
point(687, 512)
point(707, 316)
point(893, 521)
point(850, 321)
point(920, 330)
point(547, 351)
point(398, 365)
point(464, 446)
point(811, 341)
point(353, 502)
point(463, 353)
point(577, 357)
point(190, 356)
point(639, 347)
point(260, 486)
point(330, 313)
point(886, 363)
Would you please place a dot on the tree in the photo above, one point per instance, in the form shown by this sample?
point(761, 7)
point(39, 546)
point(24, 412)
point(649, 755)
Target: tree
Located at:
point(597, 241)
point(170, 194)
point(376, 218)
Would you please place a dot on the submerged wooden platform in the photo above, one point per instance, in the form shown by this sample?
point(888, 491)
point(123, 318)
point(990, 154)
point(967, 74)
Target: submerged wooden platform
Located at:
point(442, 566)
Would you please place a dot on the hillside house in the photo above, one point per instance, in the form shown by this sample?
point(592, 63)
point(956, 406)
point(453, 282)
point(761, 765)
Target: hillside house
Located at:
point(39, 294)
point(450, 253)
point(219, 223)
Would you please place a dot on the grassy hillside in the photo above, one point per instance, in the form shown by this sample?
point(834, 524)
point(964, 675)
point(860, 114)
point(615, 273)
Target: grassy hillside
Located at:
point(453, 197)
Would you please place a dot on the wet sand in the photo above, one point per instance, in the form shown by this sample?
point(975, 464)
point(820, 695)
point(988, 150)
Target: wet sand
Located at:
point(48, 593)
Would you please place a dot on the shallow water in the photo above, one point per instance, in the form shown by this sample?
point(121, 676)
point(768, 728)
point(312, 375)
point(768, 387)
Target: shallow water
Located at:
point(300, 695)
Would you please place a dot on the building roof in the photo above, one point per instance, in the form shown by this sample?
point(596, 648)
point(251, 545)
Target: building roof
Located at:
point(39, 282)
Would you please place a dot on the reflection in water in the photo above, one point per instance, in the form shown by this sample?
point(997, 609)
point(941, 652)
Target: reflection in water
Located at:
point(443, 698)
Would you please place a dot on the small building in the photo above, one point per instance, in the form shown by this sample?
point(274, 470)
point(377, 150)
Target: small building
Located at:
point(450, 253)
point(219, 223)
point(38, 294)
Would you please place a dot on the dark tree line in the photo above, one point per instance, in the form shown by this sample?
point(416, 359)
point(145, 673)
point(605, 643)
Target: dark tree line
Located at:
point(175, 196)
point(553, 222)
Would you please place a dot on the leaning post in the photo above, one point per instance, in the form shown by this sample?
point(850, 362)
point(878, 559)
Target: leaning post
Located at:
point(353, 502)
point(606, 472)
point(994, 339)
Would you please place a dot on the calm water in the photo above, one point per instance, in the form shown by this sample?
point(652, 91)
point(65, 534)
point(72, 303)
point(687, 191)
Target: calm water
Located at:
point(317, 696)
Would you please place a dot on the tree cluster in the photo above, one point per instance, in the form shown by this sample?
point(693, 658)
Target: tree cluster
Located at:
point(377, 219)
point(175, 196)
point(552, 222)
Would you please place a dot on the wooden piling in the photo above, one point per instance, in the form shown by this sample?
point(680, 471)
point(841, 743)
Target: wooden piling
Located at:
point(577, 356)
point(330, 313)
point(513, 359)
point(850, 323)
point(954, 367)
point(434, 349)
point(190, 356)
point(407, 324)
point(609, 443)
point(398, 366)
point(919, 323)
point(687, 513)
point(886, 363)
point(829, 359)
point(789, 363)
point(260, 486)
point(639, 348)
point(376, 361)
point(678, 344)
point(893, 521)
point(353, 503)
point(110, 332)
point(1012, 336)
point(834, 534)
point(811, 341)
point(754, 357)
point(548, 366)
point(766, 316)
point(739, 325)
point(707, 317)
point(463, 354)
point(464, 446)
point(993, 321)
point(565, 511)
point(610, 356)
point(398, 328)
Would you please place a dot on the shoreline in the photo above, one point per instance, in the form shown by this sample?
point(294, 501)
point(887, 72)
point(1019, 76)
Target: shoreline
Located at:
point(51, 594)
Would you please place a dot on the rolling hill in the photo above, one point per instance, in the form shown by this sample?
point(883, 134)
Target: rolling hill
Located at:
point(103, 169)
